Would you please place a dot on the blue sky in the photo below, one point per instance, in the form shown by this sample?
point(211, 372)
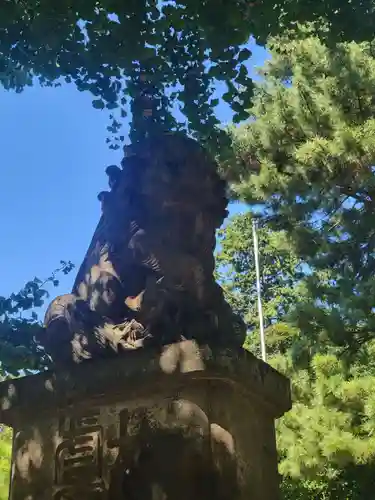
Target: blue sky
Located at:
point(53, 155)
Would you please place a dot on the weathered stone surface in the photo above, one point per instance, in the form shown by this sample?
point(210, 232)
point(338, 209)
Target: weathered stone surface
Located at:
point(186, 423)
point(147, 277)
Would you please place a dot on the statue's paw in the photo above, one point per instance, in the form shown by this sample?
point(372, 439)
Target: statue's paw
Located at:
point(128, 335)
point(132, 334)
point(129, 345)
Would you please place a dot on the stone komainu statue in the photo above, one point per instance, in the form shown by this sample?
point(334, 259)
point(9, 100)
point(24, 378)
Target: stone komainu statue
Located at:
point(147, 277)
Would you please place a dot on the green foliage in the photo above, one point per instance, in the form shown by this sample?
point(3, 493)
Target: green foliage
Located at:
point(281, 279)
point(327, 438)
point(326, 444)
point(312, 141)
point(20, 352)
point(5, 457)
point(104, 46)
point(19, 348)
point(307, 161)
point(183, 46)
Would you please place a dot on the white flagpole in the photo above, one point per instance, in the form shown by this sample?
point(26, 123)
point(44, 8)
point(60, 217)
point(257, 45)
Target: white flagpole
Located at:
point(259, 291)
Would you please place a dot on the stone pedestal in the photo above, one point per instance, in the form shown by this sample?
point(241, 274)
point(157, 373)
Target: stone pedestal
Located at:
point(184, 424)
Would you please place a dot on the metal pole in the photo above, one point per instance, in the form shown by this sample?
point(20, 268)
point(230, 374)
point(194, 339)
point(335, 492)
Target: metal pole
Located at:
point(259, 291)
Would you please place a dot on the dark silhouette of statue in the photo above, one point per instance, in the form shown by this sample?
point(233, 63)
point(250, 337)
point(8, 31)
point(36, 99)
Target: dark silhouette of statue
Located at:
point(147, 277)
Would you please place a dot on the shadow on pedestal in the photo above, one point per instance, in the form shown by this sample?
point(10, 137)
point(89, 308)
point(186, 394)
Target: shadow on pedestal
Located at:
point(187, 424)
